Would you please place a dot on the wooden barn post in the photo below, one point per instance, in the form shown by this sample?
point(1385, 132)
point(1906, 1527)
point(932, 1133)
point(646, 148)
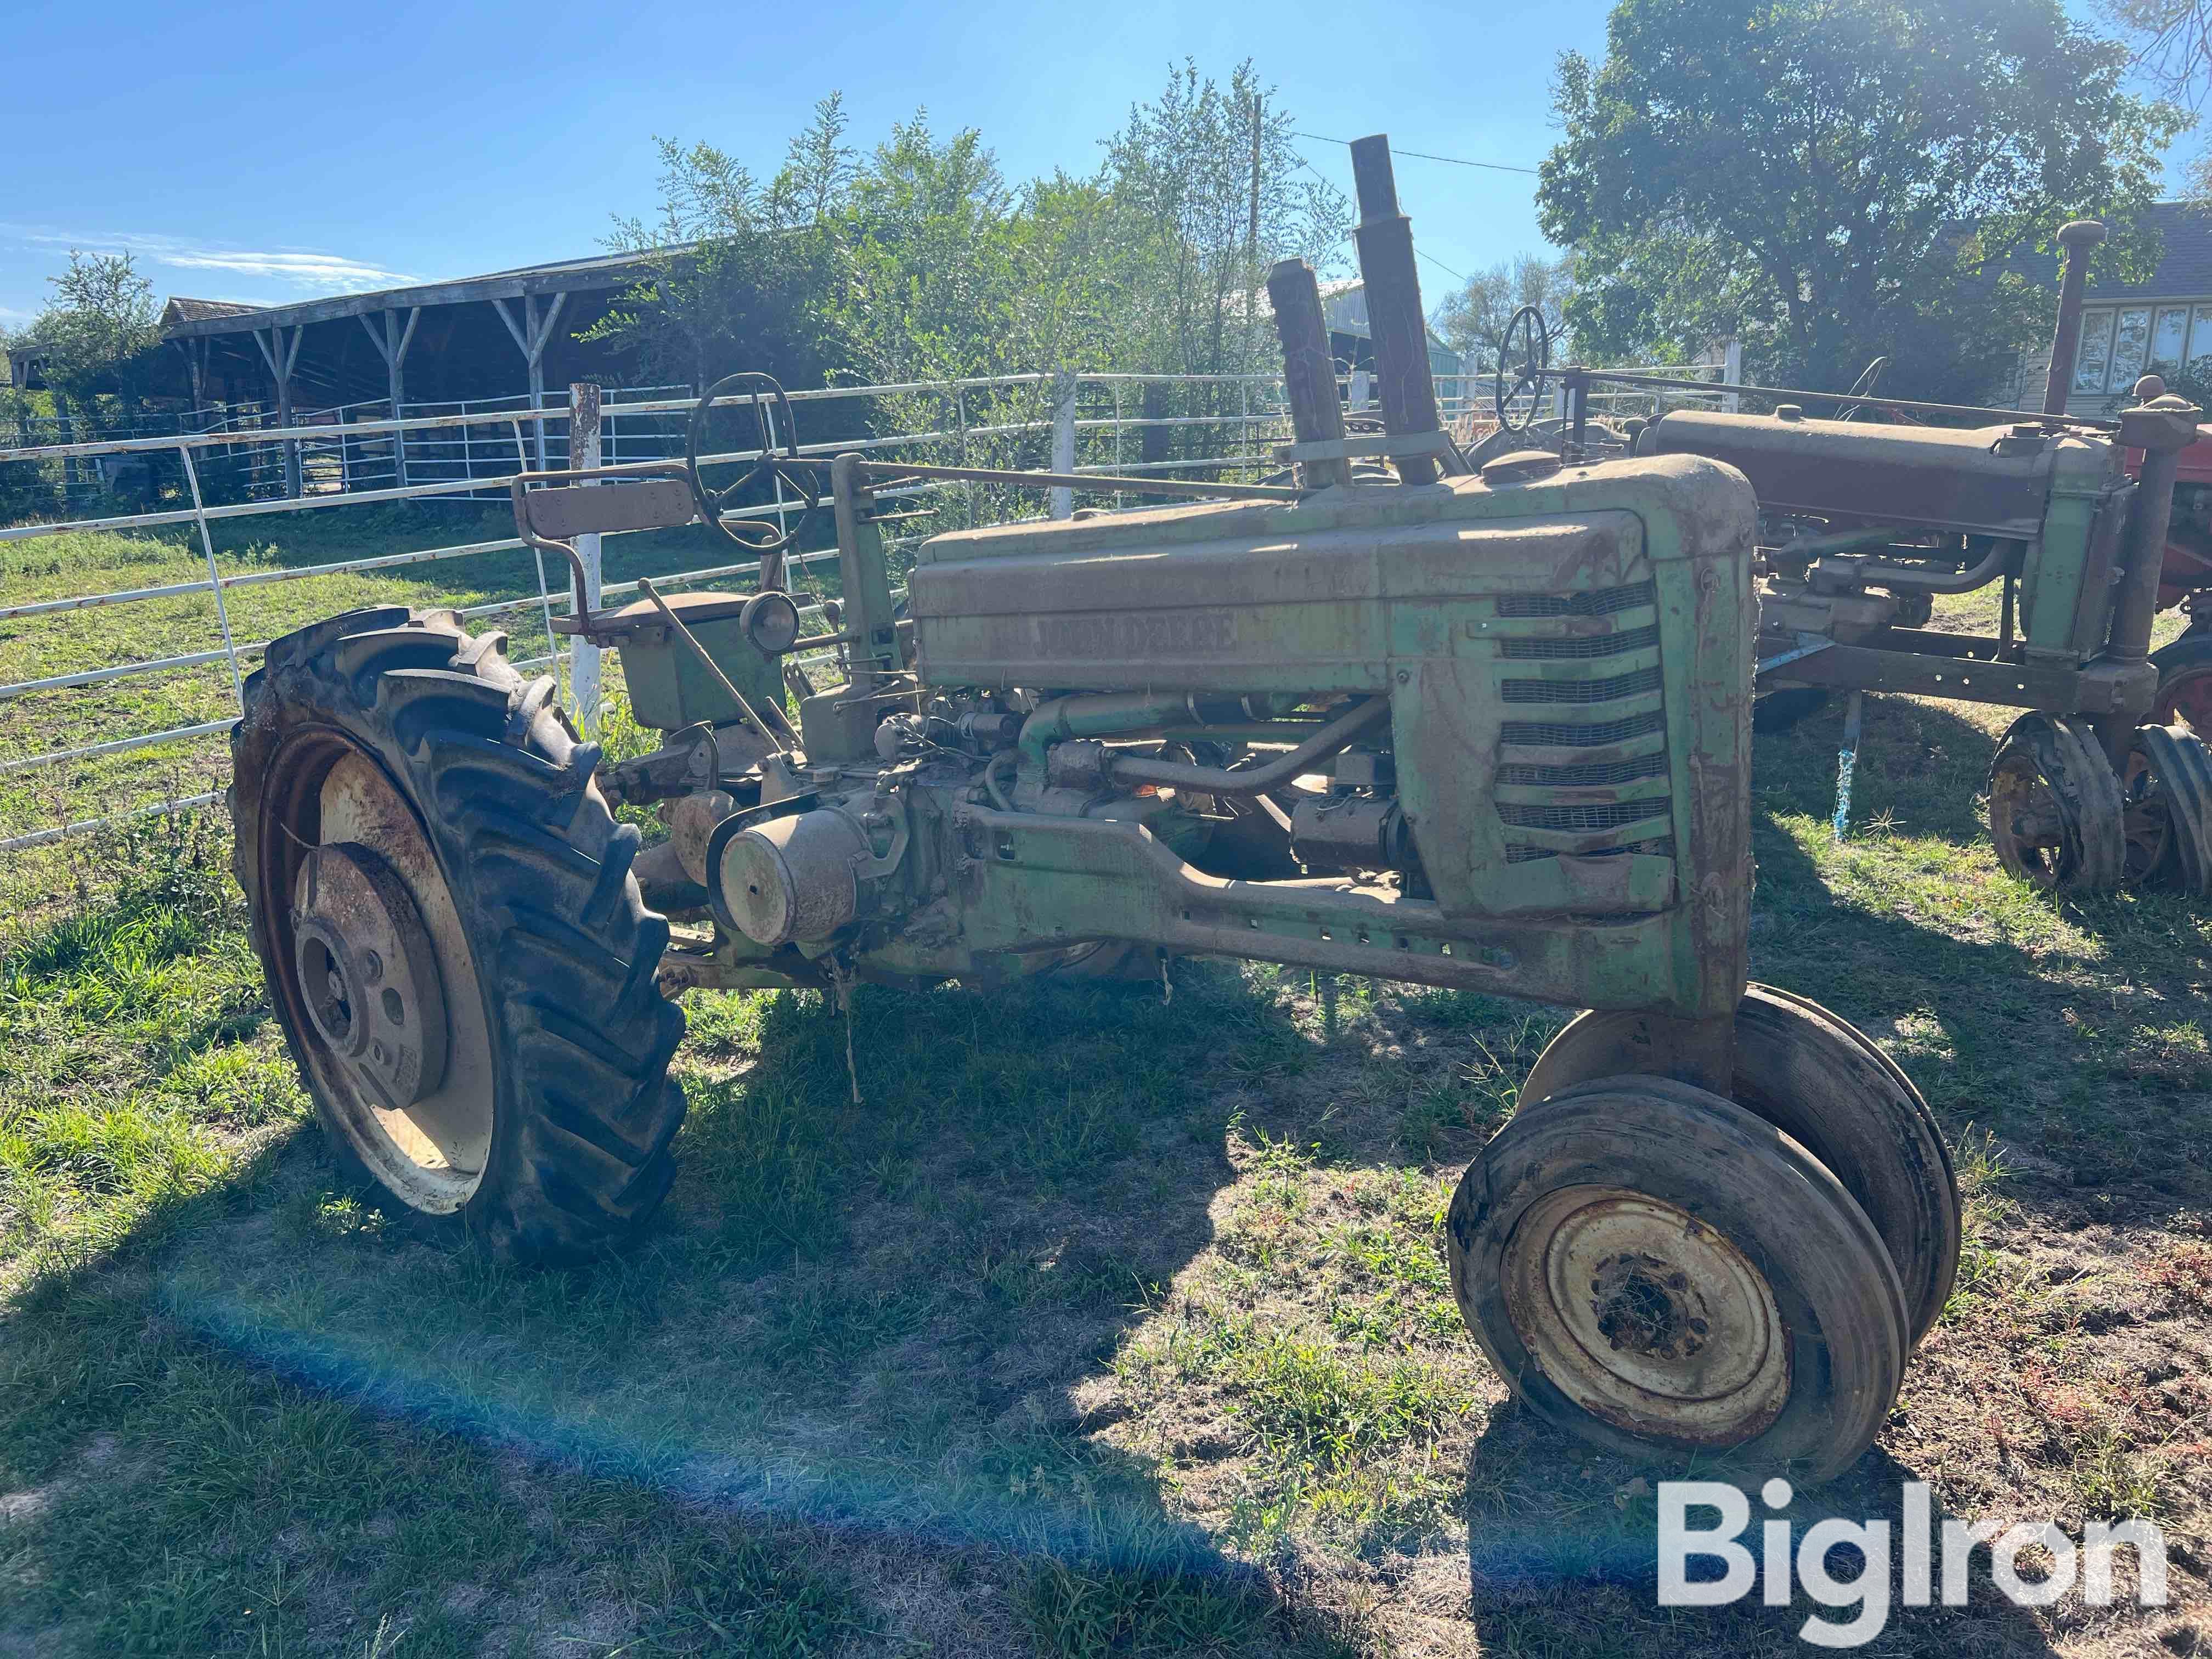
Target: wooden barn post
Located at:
point(530, 335)
point(392, 344)
point(281, 359)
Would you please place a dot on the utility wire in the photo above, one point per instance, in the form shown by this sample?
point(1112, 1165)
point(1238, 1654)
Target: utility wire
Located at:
point(1430, 257)
point(1422, 155)
point(1441, 265)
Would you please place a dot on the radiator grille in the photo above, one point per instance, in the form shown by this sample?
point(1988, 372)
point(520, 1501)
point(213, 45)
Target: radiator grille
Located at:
point(1591, 645)
point(1563, 777)
point(1561, 734)
point(1600, 696)
point(1581, 818)
point(1657, 849)
point(1600, 602)
point(1621, 685)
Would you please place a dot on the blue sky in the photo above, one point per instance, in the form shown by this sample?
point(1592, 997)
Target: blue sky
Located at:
point(271, 152)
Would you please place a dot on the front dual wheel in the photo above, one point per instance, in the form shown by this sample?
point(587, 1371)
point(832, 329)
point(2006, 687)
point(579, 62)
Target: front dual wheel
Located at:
point(1650, 1266)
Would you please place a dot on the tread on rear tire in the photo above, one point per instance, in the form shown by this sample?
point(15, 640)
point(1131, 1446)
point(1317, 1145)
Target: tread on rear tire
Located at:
point(562, 950)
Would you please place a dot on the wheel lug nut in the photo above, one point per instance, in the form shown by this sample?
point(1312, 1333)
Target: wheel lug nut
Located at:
point(372, 966)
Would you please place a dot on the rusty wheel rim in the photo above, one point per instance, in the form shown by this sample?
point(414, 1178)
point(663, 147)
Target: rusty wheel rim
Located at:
point(2186, 697)
point(373, 966)
point(2149, 823)
point(1647, 1318)
point(2027, 823)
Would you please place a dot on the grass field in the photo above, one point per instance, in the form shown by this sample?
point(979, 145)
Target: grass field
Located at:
point(78, 563)
point(1108, 1324)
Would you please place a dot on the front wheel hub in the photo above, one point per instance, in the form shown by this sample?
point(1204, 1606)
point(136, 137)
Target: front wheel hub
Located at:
point(369, 974)
point(1647, 1318)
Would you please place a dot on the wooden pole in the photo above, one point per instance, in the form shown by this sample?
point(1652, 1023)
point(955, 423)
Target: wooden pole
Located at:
point(529, 336)
point(1309, 373)
point(281, 358)
point(392, 345)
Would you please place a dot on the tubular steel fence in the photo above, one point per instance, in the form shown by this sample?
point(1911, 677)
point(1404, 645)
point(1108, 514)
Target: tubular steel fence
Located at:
point(359, 455)
point(355, 456)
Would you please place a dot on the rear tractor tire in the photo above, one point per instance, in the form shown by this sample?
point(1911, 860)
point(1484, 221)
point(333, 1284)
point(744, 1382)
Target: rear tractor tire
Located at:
point(2184, 682)
point(2167, 793)
point(454, 942)
point(2056, 817)
point(1651, 1267)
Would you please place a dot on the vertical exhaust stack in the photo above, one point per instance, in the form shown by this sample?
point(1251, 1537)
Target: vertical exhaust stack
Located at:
point(1308, 371)
point(1394, 317)
point(2077, 238)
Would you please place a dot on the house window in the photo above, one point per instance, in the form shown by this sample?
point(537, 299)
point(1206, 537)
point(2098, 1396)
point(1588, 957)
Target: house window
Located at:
point(2129, 336)
point(2096, 354)
point(2168, 338)
point(2120, 344)
point(2200, 345)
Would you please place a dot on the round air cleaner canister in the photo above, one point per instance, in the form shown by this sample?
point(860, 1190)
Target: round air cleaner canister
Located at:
point(792, 877)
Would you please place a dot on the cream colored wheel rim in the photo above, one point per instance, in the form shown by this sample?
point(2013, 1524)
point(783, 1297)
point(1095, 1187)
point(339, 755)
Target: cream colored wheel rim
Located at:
point(424, 1133)
point(1646, 1318)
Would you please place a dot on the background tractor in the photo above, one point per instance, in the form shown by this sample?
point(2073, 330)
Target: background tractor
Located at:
point(2061, 521)
point(1488, 731)
point(2184, 666)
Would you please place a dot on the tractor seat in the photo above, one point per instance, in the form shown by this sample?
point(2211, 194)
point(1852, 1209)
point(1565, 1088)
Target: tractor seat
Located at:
point(695, 609)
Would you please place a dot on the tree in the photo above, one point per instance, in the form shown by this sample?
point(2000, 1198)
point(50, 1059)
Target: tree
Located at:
point(918, 262)
point(1472, 320)
point(743, 275)
point(2173, 42)
point(933, 274)
point(98, 335)
point(1208, 192)
point(1835, 180)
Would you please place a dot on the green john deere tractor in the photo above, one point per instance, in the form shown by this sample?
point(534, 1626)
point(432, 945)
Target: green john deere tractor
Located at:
point(1488, 730)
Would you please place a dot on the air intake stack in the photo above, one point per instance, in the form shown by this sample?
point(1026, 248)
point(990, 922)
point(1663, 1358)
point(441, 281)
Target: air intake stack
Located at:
point(1395, 318)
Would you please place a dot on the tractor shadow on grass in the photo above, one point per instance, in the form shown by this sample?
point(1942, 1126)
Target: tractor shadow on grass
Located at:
point(1563, 1558)
point(2074, 1030)
point(898, 1315)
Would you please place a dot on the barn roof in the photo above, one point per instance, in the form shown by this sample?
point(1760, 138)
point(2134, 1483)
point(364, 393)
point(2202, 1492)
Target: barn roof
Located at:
point(602, 270)
point(181, 310)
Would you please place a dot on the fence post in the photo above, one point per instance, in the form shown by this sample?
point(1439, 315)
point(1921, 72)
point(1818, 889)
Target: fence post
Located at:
point(1063, 443)
point(1731, 372)
point(215, 576)
point(1116, 385)
point(583, 655)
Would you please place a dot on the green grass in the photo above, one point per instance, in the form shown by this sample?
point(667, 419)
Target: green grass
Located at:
point(1104, 1325)
point(77, 564)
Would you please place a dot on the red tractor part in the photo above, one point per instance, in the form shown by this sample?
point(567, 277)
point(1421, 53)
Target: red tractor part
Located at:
point(2184, 684)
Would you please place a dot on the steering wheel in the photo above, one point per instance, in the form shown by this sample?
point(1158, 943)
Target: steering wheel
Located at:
point(1527, 336)
point(768, 398)
point(1863, 387)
